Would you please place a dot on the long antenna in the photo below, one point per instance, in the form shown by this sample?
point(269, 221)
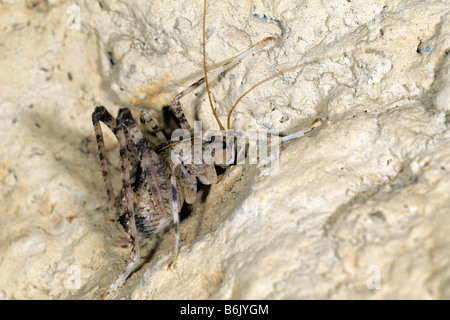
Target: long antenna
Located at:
point(274, 76)
point(204, 68)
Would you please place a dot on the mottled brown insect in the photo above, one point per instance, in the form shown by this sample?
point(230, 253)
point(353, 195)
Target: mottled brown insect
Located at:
point(156, 177)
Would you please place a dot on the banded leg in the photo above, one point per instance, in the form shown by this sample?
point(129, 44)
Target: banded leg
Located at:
point(179, 115)
point(97, 116)
point(101, 114)
point(129, 205)
point(145, 119)
point(224, 66)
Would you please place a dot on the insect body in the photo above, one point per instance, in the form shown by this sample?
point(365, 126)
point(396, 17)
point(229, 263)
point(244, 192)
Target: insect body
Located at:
point(158, 177)
point(153, 186)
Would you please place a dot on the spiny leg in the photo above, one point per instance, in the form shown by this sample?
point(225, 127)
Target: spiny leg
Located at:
point(224, 66)
point(179, 115)
point(178, 112)
point(129, 205)
point(145, 119)
point(100, 114)
point(176, 107)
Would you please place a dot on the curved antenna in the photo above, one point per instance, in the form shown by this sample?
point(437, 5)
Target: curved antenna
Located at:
point(274, 76)
point(204, 68)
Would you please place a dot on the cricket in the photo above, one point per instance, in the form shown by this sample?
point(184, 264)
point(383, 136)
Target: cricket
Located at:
point(158, 177)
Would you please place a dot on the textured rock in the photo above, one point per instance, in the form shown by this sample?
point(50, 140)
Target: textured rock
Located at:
point(358, 208)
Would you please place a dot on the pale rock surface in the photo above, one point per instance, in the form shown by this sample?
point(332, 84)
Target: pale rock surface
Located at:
point(358, 208)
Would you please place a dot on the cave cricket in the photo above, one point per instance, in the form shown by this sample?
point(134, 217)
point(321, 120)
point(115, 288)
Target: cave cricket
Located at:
point(158, 177)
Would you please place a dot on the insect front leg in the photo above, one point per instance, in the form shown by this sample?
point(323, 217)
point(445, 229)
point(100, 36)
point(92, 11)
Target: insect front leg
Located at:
point(180, 180)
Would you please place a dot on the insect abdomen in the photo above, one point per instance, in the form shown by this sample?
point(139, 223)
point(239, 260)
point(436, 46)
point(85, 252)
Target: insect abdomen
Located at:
point(149, 226)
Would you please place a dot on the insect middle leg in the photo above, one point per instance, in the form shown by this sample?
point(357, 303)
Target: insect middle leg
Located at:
point(97, 116)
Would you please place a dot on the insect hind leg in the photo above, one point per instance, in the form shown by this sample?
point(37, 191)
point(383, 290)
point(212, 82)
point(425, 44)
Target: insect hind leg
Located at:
point(101, 114)
point(129, 205)
point(146, 119)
